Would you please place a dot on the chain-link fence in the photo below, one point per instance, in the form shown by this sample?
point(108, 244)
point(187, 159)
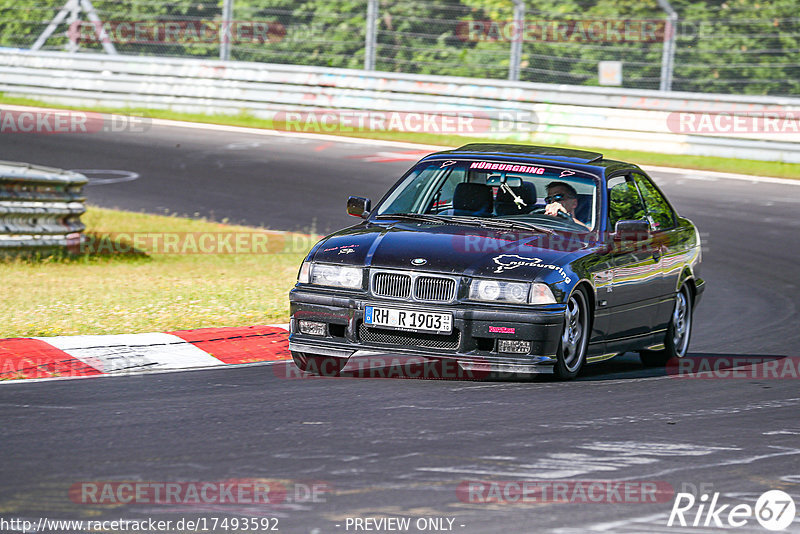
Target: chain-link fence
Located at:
point(730, 46)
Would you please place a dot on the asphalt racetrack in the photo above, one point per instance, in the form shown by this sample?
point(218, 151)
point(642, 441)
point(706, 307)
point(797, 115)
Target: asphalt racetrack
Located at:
point(403, 448)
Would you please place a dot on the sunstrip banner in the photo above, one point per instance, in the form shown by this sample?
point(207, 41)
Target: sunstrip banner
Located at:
point(494, 166)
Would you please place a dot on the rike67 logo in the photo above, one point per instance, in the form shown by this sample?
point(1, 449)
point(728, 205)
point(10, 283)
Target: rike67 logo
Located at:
point(774, 510)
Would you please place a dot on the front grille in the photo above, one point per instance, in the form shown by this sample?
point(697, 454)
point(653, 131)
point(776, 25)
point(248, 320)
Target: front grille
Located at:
point(450, 341)
point(392, 285)
point(434, 289)
point(414, 286)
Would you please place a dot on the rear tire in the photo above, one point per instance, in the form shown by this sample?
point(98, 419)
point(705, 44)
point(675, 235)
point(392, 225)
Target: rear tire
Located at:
point(571, 354)
point(676, 340)
point(318, 365)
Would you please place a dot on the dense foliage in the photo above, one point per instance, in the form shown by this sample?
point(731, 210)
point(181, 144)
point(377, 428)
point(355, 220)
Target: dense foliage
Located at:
point(726, 46)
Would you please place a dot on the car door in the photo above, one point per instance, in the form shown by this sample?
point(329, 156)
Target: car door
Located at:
point(667, 238)
point(636, 266)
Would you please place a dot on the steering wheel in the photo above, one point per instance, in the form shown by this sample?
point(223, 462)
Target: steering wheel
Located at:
point(562, 214)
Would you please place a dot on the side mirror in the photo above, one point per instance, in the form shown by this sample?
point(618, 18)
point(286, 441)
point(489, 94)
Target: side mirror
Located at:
point(358, 207)
point(637, 230)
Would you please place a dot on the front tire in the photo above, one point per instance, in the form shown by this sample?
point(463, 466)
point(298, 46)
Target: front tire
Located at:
point(676, 341)
point(574, 338)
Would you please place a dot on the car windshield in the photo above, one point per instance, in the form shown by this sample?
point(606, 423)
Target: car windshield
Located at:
point(506, 191)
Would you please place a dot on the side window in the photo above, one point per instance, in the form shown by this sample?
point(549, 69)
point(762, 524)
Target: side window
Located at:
point(660, 214)
point(624, 203)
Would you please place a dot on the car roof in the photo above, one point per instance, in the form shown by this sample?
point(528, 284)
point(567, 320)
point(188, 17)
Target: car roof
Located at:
point(583, 158)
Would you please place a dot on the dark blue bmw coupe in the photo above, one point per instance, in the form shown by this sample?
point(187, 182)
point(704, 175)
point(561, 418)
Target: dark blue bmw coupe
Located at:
point(503, 258)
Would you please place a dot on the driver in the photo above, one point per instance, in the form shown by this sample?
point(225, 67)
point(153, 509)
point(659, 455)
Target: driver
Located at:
point(562, 197)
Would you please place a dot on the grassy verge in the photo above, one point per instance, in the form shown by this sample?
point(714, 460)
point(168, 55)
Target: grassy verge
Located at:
point(112, 288)
point(709, 163)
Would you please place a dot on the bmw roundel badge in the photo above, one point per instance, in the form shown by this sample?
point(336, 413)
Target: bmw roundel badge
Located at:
point(419, 261)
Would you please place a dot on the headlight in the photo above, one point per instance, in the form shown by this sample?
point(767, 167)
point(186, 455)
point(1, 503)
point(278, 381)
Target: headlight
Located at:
point(331, 275)
point(511, 292)
point(498, 291)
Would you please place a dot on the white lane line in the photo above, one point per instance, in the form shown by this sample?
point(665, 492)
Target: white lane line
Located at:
point(553, 466)
point(674, 416)
point(38, 406)
point(108, 176)
point(614, 526)
point(570, 464)
point(656, 449)
point(713, 176)
point(736, 461)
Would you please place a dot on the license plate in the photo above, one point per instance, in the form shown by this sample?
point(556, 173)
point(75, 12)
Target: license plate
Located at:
point(409, 319)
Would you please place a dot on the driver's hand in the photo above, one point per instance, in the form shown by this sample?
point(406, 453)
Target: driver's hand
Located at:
point(554, 208)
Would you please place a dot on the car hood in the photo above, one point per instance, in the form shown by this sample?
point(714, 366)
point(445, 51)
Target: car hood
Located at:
point(452, 249)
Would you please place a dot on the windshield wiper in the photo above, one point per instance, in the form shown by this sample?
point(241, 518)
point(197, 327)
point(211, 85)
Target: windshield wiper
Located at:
point(478, 221)
point(414, 217)
point(505, 223)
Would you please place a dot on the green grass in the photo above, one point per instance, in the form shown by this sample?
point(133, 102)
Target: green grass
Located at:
point(149, 291)
point(243, 118)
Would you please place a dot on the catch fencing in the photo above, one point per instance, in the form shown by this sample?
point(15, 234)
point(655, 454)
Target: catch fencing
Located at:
point(736, 47)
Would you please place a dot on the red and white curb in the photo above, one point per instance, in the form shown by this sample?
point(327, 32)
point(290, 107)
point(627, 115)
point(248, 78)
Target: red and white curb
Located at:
point(84, 356)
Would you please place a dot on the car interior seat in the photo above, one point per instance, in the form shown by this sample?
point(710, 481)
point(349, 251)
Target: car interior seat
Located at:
point(472, 199)
point(504, 202)
point(583, 210)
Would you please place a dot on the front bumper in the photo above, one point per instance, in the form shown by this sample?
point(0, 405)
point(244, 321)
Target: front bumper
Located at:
point(472, 345)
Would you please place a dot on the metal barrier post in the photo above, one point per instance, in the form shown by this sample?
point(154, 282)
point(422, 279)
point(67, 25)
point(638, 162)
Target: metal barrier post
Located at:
point(225, 30)
point(668, 52)
point(516, 42)
point(72, 10)
point(372, 35)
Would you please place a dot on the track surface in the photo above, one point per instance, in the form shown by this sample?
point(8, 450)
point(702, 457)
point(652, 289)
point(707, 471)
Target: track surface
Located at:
point(401, 447)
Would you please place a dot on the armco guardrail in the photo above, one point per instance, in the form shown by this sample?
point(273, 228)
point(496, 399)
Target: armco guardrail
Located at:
point(540, 113)
point(40, 207)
